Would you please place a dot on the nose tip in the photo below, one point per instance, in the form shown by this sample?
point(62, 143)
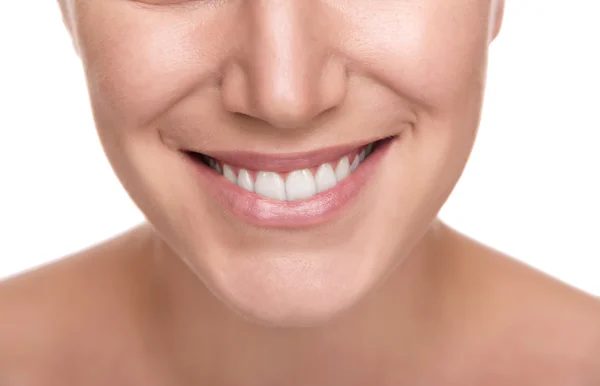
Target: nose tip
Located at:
point(284, 73)
point(289, 106)
point(288, 100)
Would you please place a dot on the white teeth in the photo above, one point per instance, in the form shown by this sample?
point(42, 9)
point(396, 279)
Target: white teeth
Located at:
point(343, 169)
point(300, 185)
point(270, 185)
point(230, 174)
point(244, 180)
point(362, 155)
point(325, 178)
point(354, 163)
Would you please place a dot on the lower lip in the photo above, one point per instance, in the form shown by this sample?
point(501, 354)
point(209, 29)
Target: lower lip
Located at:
point(264, 212)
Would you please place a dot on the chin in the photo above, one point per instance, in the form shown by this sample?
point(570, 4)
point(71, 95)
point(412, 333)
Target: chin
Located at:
point(294, 291)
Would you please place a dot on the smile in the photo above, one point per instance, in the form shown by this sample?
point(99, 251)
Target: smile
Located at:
point(295, 185)
point(291, 190)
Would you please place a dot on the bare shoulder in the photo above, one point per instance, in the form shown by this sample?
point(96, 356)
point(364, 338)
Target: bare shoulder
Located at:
point(53, 314)
point(532, 320)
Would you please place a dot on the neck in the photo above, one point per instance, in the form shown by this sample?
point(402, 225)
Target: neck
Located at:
point(387, 333)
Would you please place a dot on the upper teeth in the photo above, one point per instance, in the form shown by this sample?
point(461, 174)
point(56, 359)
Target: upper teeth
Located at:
point(299, 184)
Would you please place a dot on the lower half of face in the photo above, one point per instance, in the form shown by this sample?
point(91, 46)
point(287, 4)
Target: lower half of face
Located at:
point(293, 168)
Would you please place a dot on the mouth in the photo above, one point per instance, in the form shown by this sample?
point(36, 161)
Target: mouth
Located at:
point(291, 190)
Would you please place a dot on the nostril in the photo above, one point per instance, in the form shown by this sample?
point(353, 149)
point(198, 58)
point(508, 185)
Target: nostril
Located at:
point(285, 94)
point(244, 117)
point(287, 113)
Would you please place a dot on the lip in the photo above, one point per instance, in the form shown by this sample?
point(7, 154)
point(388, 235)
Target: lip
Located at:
point(282, 163)
point(264, 212)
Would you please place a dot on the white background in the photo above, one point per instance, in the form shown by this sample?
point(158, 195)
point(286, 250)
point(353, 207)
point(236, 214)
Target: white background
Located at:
point(530, 189)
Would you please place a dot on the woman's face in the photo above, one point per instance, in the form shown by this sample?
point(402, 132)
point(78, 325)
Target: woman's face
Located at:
point(287, 94)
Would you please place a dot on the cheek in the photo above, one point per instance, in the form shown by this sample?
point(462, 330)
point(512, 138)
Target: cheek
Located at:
point(433, 54)
point(139, 61)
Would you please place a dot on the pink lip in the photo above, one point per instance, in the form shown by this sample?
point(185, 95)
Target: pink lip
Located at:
point(264, 212)
point(282, 163)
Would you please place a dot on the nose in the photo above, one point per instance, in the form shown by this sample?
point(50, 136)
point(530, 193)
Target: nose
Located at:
point(284, 71)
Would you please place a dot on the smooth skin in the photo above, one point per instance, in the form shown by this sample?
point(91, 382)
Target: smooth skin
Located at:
point(384, 294)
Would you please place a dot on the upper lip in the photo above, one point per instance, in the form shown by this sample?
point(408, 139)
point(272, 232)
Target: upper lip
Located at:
point(284, 162)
